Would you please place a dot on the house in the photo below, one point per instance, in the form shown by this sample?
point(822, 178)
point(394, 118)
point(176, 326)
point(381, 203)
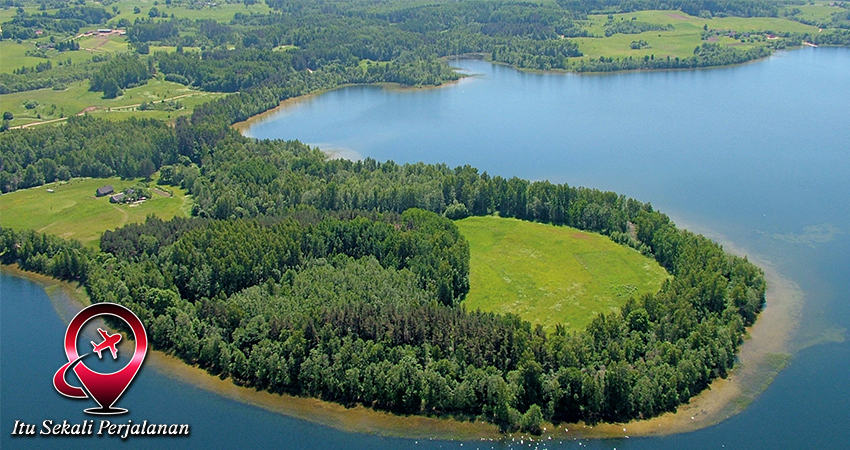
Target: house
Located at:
point(105, 190)
point(117, 198)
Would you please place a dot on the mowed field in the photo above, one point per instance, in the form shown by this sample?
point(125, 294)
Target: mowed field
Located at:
point(551, 274)
point(73, 212)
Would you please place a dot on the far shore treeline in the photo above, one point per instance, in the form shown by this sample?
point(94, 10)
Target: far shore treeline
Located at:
point(345, 280)
point(304, 45)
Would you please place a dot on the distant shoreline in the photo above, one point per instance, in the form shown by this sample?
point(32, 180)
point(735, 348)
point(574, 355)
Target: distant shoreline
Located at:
point(265, 115)
point(244, 125)
point(761, 357)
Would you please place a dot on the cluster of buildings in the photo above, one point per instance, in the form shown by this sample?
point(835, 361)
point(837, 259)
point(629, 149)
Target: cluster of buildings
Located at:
point(105, 32)
point(120, 197)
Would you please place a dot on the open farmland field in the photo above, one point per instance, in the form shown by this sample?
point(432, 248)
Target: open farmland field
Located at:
point(77, 98)
point(683, 38)
point(551, 274)
point(73, 212)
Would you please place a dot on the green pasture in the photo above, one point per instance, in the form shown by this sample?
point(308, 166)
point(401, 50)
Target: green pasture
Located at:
point(820, 11)
point(14, 55)
point(171, 49)
point(77, 98)
point(6, 14)
point(661, 44)
point(681, 41)
point(188, 103)
point(73, 212)
point(550, 274)
point(684, 22)
point(104, 44)
point(222, 12)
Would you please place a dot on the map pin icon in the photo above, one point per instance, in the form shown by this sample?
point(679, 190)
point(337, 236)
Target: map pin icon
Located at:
point(104, 388)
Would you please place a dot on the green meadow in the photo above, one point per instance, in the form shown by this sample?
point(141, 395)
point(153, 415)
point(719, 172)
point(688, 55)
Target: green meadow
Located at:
point(685, 36)
point(73, 212)
point(77, 98)
point(551, 274)
point(820, 11)
point(15, 55)
point(221, 12)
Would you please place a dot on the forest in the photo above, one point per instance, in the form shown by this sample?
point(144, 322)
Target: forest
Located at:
point(345, 280)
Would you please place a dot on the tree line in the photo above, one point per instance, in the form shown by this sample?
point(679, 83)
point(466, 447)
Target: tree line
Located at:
point(705, 55)
point(122, 72)
point(699, 8)
point(303, 45)
point(87, 147)
point(66, 20)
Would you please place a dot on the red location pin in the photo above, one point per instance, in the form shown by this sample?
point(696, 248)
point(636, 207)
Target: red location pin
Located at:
point(103, 388)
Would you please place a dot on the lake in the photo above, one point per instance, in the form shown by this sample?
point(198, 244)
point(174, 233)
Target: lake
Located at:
point(754, 155)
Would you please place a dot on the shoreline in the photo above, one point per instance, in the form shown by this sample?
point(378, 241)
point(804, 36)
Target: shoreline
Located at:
point(259, 118)
point(763, 354)
point(244, 125)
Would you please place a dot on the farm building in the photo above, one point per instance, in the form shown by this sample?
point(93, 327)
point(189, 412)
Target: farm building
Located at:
point(105, 190)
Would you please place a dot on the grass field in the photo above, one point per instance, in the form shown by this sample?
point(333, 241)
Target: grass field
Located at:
point(104, 44)
point(77, 98)
point(72, 211)
point(14, 54)
point(821, 10)
point(550, 275)
point(222, 12)
point(681, 41)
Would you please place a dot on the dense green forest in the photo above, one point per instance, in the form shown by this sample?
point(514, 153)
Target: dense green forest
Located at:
point(344, 281)
point(709, 8)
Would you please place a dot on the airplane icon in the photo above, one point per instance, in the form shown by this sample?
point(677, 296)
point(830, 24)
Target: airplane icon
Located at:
point(109, 341)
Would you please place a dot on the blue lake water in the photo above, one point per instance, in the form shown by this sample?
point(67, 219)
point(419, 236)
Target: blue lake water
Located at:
point(758, 154)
